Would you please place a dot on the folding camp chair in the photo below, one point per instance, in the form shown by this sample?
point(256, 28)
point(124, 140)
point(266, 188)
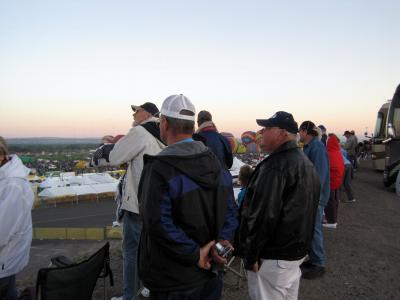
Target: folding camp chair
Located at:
point(75, 281)
point(240, 272)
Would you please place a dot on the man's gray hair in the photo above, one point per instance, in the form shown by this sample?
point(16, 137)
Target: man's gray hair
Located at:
point(180, 126)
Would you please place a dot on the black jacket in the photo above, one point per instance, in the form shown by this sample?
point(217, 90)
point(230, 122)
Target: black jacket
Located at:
point(279, 209)
point(185, 201)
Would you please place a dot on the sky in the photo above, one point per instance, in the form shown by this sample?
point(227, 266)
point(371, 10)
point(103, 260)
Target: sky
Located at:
point(73, 68)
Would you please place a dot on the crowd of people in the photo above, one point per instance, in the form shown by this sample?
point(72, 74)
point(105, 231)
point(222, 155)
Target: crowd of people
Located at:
point(180, 218)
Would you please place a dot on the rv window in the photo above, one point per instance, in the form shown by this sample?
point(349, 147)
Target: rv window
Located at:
point(396, 121)
point(378, 126)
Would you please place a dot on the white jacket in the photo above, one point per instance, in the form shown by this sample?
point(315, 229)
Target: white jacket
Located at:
point(130, 149)
point(16, 200)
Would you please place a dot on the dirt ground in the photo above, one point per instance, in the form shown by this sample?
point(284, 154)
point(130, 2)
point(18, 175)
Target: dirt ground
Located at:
point(363, 252)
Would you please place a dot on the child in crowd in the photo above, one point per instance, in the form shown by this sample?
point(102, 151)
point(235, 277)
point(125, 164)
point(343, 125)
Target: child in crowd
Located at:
point(348, 170)
point(244, 178)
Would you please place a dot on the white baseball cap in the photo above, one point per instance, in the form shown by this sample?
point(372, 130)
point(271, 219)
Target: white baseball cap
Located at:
point(174, 106)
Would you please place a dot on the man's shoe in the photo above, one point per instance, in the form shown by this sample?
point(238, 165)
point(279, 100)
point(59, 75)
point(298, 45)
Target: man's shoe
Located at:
point(313, 272)
point(305, 265)
point(330, 225)
point(145, 292)
point(350, 201)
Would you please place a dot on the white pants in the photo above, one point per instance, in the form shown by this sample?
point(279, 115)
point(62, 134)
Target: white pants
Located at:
point(276, 279)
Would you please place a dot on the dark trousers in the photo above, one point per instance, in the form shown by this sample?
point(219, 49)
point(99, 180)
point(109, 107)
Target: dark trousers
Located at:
point(331, 208)
point(348, 169)
point(8, 289)
point(211, 290)
point(353, 159)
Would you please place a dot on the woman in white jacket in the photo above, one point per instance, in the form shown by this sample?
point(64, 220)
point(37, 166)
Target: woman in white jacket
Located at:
point(16, 200)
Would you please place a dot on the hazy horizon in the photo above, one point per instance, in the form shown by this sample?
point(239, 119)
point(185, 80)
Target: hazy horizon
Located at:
point(72, 69)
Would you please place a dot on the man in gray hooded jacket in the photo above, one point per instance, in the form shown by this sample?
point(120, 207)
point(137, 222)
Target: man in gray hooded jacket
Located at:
point(187, 205)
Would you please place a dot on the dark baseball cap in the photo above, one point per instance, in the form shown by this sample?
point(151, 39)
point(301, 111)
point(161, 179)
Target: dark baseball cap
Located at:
point(282, 120)
point(309, 127)
point(346, 132)
point(149, 107)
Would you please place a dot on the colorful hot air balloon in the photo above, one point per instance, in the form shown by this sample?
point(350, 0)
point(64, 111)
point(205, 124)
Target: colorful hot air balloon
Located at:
point(258, 141)
point(251, 148)
point(241, 148)
point(248, 137)
point(234, 143)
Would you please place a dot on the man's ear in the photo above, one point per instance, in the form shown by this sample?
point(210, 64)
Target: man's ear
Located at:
point(165, 124)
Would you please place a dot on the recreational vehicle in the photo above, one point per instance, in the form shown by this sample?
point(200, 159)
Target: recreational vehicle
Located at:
point(378, 149)
point(392, 143)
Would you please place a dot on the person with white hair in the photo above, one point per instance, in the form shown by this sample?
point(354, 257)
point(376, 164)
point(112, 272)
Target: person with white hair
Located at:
point(278, 213)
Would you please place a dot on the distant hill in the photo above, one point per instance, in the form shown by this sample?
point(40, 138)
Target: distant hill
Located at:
point(52, 141)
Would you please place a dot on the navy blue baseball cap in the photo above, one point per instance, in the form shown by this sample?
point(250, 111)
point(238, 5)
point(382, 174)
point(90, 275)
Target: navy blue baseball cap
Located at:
point(280, 119)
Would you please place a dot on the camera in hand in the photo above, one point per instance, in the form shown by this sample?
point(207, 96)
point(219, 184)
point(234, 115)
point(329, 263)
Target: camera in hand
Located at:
point(223, 250)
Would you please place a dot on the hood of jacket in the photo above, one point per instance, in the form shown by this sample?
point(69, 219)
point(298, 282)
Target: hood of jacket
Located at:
point(332, 144)
point(14, 168)
point(152, 125)
point(194, 160)
point(207, 126)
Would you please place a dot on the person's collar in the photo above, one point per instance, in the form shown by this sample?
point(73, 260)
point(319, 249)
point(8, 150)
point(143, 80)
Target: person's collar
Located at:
point(312, 141)
point(207, 126)
point(187, 140)
point(150, 119)
point(291, 144)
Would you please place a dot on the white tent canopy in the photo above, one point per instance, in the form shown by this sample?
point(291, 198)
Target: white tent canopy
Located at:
point(71, 185)
point(237, 163)
point(54, 192)
point(85, 179)
point(83, 190)
point(105, 187)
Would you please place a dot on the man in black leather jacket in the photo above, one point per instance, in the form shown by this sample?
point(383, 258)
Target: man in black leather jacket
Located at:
point(278, 214)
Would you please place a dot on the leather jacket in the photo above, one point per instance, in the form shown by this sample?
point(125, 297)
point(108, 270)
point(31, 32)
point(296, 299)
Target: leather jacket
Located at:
point(278, 213)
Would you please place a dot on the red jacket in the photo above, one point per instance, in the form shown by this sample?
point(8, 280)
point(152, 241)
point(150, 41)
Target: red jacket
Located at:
point(336, 164)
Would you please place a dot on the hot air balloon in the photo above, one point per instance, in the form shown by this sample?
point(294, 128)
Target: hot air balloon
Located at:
point(234, 143)
point(241, 148)
point(251, 148)
point(81, 164)
point(258, 141)
point(248, 137)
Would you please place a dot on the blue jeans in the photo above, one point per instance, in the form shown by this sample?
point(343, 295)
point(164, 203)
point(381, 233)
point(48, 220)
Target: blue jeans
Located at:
point(317, 253)
point(8, 288)
point(132, 227)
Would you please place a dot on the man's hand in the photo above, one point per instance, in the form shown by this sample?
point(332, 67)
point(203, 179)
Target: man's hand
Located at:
point(214, 253)
point(205, 260)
